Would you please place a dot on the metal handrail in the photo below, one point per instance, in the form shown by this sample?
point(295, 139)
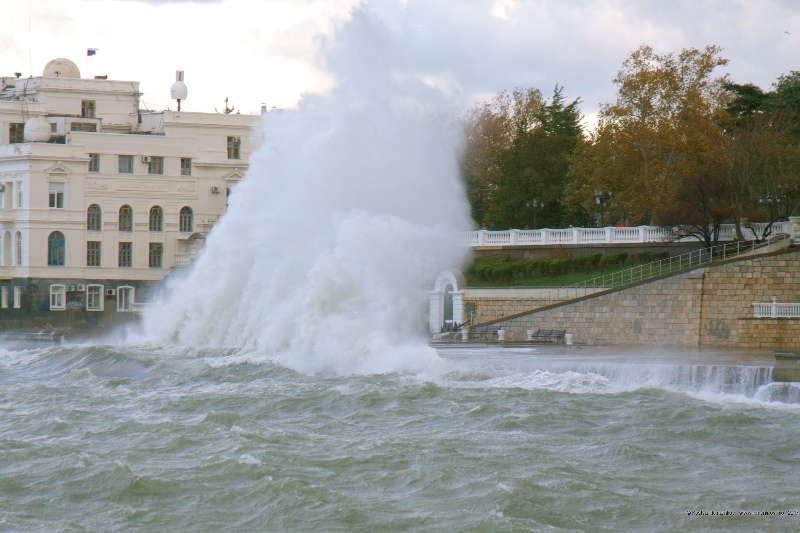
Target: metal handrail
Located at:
point(657, 268)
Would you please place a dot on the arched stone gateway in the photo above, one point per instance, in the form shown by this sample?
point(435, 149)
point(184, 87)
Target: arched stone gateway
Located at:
point(446, 301)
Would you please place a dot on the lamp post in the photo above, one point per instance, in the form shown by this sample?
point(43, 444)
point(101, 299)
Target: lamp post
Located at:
point(600, 198)
point(534, 204)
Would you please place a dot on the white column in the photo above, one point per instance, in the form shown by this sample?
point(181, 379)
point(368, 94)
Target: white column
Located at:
point(436, 312)
point(794, 229)
point(458, 307)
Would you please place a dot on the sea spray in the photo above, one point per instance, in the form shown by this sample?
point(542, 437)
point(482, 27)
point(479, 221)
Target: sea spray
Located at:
point(342, 221)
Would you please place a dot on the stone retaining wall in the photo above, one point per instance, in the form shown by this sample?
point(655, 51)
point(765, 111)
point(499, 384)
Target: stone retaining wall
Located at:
point(705, 307)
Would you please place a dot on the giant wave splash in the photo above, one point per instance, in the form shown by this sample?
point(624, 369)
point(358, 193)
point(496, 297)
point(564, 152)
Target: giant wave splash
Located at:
point(342, 221)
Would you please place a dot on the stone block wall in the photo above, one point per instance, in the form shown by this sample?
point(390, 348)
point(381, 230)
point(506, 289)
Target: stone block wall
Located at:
point(729, 292)
point(705, 307)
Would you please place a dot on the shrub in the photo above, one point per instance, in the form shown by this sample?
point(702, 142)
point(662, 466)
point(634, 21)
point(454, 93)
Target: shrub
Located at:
point(617, 259)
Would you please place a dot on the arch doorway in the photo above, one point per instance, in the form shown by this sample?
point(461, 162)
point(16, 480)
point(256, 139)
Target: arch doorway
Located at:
point(446, 302)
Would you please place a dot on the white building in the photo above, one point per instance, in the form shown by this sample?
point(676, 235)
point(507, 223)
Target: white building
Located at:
point(100, 199)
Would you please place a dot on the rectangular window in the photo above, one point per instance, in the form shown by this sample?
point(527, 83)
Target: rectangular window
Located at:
point(156, 165)
point(87, 109)
point(57, 296)
point(4, 296)
point(126, 254)
point(125, 164)
point(83, 126)
point(94, 162)
point(17, 297)
point(186, 166)
point(234, 143)
point(19, 194)
point(16, 133)
point(19, 249)
point(57, 195)
point(94, 298)
point(156, 254)
point(125, 299)
point(93, 257)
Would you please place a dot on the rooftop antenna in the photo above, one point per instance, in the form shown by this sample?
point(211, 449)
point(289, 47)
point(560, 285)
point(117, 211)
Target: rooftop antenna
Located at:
point(179, 89)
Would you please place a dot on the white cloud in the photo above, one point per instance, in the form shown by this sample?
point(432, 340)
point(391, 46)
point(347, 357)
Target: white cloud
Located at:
point(265, 51)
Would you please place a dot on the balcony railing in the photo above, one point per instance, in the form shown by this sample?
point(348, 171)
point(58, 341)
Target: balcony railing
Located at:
point(608, 235)
point(776, 310)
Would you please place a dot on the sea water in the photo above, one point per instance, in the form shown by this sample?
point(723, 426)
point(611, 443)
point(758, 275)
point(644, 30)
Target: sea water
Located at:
point(107, 438)
point(286, 383)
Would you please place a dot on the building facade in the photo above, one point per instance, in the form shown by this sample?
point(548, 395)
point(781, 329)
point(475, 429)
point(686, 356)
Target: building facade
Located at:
point(101, 200)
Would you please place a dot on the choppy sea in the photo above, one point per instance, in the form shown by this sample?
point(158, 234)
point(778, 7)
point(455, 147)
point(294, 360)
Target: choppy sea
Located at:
point(111, 438)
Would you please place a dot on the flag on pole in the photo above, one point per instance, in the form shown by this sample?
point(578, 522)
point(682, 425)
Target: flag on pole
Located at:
point(91, 51)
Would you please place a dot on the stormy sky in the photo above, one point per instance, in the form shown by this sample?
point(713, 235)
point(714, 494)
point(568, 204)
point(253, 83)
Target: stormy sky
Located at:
point(267, 51)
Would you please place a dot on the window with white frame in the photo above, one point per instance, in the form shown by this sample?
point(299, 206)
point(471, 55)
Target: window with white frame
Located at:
point(56, 249)
point(83, 126)
point(125, 165)
point(4, 296)
point(126, 254)
point(186, 166)
point(94, 298)
point(88, 108)
point(125, 298)
point(94, 218)
point(156, 218)
point(16, 133)
point(19, 195)
point(19, 248)
point(56, 195)
point(125, 218)
point(17, 297)
point(186, 220)
point(156, 165)
point(58, 295)
point(94, 162)
point(156, 254)
point(234, 147)
point(93, 256)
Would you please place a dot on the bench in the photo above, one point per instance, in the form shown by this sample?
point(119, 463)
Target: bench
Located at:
point(547, 335)
point(484, 331)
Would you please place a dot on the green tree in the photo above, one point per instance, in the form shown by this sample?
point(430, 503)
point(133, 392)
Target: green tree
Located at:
point(644, 141)
point(520, 154)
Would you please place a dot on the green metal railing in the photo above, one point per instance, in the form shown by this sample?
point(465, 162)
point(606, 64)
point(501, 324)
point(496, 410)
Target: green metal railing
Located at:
point(654, 269)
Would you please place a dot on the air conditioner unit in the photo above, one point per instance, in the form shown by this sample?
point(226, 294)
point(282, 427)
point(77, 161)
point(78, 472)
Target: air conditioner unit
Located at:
point(81, 288)
point(70, 288)
point(145, 159)
point(111, 292)
point(215, 190)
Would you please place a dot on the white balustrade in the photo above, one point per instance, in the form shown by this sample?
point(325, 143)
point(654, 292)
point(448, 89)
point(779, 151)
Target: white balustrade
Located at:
point(605, 235)
point(776, 310)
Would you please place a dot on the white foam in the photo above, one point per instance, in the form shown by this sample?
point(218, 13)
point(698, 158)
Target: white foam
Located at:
point(341, 223)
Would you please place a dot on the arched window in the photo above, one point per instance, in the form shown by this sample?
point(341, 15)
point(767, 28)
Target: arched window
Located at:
point(125, 218)
point(19, 248)
point(156, 218)
point(186, 220)
point(94, 218)
point(55, 249)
